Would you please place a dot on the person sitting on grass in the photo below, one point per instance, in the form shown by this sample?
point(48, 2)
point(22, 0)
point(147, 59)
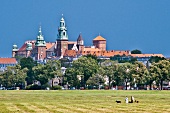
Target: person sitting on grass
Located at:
point(126, 99)
point(132, 99)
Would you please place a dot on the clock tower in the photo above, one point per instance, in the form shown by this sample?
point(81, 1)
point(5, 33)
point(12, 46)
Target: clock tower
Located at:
point(62, 39)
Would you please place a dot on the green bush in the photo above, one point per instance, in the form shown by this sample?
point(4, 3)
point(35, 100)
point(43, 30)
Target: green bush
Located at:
point(57, 87)
point(33, 87)
point(45, 86)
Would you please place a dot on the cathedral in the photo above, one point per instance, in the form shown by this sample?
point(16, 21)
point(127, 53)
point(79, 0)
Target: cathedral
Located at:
point(39, 49)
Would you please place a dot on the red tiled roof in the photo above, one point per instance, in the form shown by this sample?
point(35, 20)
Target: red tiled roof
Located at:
point(23, 48)
point(91, 49)
point(8, 61)
point(73, 53)
point(49, 45)
point(100, 38)
point(70, 53)
point(146, 55)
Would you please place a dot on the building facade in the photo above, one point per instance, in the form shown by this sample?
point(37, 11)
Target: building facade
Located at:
point(39, 49)
point(5, 62)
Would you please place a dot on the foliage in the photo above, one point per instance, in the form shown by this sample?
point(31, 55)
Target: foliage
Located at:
point(123, 59)
point(14, 76)
point(160, 71)
point(95, 80)
point(136, 51)
point(91, 56)
point(86, 67)
point(28, 63)
point(18, 58)
point(124, 74)
point(109, 70)
point(88, 70)
point(65, 62)
point(156, 59)
point(33, 87)
point(72, 78)
point(139, 73)
point(57, 87)
point(44, 73)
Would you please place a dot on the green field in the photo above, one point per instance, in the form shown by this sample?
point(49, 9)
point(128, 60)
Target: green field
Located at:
point(83, 101)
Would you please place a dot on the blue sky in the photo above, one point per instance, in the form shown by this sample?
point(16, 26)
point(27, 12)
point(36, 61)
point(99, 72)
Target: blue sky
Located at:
point(125, 24)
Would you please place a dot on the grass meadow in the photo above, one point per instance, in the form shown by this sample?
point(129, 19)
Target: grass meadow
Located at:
point(83, 101)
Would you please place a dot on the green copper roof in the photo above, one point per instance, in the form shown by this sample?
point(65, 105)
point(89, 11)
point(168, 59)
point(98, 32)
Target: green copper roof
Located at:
point(62, 30)
point(29, 46)
point(40, 39)
point(14, 47)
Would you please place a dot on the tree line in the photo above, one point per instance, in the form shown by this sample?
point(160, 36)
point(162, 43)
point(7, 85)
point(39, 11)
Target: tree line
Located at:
point(88, 72)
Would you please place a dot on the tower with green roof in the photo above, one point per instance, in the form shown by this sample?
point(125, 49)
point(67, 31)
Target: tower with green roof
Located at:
point(40, 42)
point(62, 38)
point(28, 49)
point(40, 46)
point(14, 50)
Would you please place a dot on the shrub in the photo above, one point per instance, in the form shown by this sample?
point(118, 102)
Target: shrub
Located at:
point(57, 87)
point(33, 87)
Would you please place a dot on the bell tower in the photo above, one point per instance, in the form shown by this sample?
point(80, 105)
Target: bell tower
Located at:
point(40, 46)
point(62, 39)
point(80, 43)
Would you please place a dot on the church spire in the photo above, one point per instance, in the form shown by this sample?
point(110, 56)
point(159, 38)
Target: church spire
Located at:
point(40, 39)
point(80, 40)
point(62, 30)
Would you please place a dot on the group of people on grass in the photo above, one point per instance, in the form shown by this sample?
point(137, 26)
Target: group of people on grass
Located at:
point(127, 100)
point(131, 101)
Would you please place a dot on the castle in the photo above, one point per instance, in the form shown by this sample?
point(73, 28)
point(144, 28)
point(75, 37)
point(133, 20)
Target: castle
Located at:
point(39, 49)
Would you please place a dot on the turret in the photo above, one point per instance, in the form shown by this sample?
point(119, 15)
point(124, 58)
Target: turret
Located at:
point(40, 39)
point(14, 50)
point(62, 31)
point(80, 43)
point(62, 39)
point(29, 46)
point(40, 46)
point(80, 40)
point(100, 42)
point(28, 49)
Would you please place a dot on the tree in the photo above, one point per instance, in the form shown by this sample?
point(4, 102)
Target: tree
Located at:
point(91, 56)
point(136, 51)
point(139, 73)
point(28, 63)
point(124, 73)
point(152, 75)
point(95, 80)
point(110, 68)
point(18, 58)
point(13, 76)
point(86, 67)
point(65, 62)
point(160, 71)
point(72, 79)
point(44, 73)
point(156, 59)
